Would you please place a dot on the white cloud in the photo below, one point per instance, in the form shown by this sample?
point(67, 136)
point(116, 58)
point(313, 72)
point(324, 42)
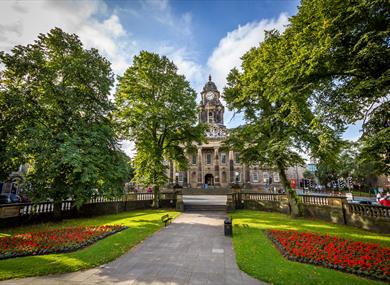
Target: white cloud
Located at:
point(236, 43)
point(232, 47)
point(22, 21)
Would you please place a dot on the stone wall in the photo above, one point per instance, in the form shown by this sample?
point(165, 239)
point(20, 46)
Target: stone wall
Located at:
point(16, 214)
point(268, 206)
point(331, 209)
point(331, 214)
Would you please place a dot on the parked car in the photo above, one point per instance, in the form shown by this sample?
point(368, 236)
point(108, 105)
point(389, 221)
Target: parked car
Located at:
point(364, 202)
point(385, 202)
point(10, 198)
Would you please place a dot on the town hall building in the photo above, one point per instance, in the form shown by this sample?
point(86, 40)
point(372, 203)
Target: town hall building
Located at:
point(211, 166)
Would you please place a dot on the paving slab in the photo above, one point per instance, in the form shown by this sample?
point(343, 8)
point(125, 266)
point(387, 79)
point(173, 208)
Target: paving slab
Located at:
point(191, 250)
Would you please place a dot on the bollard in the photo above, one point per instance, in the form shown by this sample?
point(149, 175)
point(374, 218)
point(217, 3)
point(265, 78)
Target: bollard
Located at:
point(228, 227)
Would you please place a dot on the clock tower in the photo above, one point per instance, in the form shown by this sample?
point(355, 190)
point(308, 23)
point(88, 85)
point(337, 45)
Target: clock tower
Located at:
point(211, 110)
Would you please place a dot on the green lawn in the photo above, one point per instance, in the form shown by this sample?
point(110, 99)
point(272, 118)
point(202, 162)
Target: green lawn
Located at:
point(257, 256)
point(141, 224)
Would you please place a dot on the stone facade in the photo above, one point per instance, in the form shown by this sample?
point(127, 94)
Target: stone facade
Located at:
point(212, 166)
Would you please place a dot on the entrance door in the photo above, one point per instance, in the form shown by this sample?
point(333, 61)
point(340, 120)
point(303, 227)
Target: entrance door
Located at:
point(209, 179)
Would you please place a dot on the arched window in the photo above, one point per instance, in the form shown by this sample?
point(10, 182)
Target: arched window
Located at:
point(211, 117)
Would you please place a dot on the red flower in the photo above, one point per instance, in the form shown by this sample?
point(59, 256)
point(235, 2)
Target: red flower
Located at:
point(342, 254)
point(55, 240)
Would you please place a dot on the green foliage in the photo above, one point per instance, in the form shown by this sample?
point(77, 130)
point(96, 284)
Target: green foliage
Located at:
point(341, 52)
point(157, 110)
point(280, 121)
point(56, 116)
point(141, 225)
point(257, 256)
point(350, 162)
point(300, 89)
point(375, 142)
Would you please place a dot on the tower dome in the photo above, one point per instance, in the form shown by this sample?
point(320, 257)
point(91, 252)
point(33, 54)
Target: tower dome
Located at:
point(210, 86)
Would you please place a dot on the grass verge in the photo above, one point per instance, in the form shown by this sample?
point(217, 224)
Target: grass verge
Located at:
point(141, 224)
point(257, 256)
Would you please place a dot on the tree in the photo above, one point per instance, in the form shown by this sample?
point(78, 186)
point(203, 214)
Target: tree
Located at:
point(279, 121)
point(341, 51)
point(350, 162)
point(57, 118)
point(157, 110)
point(375, 142)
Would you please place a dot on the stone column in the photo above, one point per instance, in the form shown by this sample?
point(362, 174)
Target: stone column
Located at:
point(200, 172)
point(231, 175)
point(217, 172)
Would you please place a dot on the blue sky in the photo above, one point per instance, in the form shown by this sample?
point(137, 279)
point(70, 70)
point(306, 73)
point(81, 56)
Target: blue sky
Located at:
point(201, 37)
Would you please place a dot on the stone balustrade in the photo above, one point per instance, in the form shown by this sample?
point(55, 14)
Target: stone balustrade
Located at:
point(256, 196)
point(26, 209)
point(369, 210)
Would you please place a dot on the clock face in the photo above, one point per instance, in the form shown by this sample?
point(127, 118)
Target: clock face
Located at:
point(209, 95)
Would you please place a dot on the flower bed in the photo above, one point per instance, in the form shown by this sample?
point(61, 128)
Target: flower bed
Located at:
point(370, 260)
point(54, 241)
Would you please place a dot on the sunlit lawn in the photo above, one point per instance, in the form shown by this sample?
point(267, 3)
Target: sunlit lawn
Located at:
point(141, 224)
point(257, 256)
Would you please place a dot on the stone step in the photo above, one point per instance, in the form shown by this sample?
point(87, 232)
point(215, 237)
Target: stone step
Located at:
point(211, 208)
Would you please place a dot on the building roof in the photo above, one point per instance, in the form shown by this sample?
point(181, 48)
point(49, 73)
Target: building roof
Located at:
point(210, 86)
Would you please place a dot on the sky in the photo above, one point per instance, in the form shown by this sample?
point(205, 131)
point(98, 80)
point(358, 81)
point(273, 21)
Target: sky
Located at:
point(201, 37)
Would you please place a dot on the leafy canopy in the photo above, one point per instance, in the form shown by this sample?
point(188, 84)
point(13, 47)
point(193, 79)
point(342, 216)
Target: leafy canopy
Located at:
point(340, 50)
point(56, 116)
point(280, 123)
point(156, 108)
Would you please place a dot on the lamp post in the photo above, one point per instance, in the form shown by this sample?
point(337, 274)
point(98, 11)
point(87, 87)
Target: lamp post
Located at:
point(236, 177)
point(266, 180)
point(177, 179)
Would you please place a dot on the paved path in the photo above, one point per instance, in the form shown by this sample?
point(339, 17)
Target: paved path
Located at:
point(192, 250)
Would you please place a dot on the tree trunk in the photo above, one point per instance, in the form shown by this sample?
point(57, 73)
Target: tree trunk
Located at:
point(293, 200)
point(57, 213)
point(156, 198)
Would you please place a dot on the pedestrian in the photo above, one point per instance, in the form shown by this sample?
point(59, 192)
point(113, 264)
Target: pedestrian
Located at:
point(378, 196)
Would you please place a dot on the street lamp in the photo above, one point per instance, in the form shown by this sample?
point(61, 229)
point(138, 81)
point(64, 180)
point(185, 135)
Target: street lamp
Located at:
point(177, 178)
point(236, 176)
point(266, 180)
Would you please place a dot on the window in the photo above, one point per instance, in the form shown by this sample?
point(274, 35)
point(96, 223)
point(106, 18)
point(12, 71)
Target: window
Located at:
point(211, 117)
point(223, 158)
point(265, 177)
point(208, 158)
point(255, 176)
point(181, 177)
point(276, 177)
point(194, 159)
point(236, 157)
